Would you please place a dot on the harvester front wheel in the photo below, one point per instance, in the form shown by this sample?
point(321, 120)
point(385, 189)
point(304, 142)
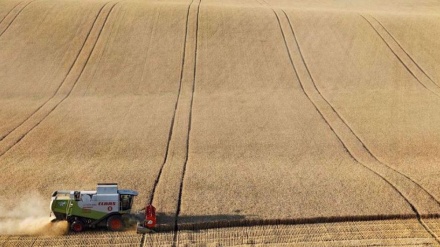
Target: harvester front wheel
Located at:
point(115, 223)
point(77, 226)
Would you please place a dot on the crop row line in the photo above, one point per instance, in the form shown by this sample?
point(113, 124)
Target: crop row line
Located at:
point(71, 73)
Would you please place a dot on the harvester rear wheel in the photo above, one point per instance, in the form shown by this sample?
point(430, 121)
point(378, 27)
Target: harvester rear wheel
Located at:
point(115, 223)
point(77, 226)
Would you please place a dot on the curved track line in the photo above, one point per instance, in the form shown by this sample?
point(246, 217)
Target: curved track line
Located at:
point(74, 84)
point(351, 129)
point(322, 115)
point(4, 17)
point(170, 133)
point(398, 57)
point(366, 148)
point(395, 40)
point(348, 126)
point(334, 110)
point(414, 209)
point(62, 82)
point(179, 201)
point(15, 17)
point(282, 221)
point(93, 48)
point(304, 91)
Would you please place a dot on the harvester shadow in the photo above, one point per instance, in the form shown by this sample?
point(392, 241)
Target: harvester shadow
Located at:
point(166, 222)
point(203, 222)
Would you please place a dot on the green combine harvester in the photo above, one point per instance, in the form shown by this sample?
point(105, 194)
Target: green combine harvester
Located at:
point(105, 207)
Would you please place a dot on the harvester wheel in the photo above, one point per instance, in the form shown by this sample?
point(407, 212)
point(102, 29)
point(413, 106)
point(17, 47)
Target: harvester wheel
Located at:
point(77, 226)
point(115, 223)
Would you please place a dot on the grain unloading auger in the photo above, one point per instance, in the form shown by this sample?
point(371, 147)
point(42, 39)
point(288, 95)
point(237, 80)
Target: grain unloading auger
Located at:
point(106, 207)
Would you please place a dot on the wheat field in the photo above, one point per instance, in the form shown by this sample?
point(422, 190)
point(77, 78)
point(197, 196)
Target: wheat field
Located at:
point(245, 122)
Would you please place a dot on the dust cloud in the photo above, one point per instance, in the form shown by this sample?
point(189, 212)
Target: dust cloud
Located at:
point(29, 215)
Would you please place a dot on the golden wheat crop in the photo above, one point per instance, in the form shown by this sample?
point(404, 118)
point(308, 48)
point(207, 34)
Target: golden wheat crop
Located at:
point(229, 113)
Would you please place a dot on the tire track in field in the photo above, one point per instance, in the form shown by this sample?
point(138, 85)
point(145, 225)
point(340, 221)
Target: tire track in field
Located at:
point(1, 21)
point(166, 195)
point(401, 48)
point(62, 82)
point(404, 58)
point(6, 22)
point(369, 152)
point(179, 201)
point(66, 86)
point(353, 144)
point(170, 132)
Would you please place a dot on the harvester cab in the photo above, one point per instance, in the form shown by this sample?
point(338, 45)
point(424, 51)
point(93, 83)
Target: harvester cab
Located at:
point(107, 206)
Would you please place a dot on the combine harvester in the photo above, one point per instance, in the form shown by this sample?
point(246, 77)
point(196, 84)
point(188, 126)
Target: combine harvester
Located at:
point(106, 207)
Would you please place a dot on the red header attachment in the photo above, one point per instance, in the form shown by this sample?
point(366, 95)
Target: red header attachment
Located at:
point(150, 216)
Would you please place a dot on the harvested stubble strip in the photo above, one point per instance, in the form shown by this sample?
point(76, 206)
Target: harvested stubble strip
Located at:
point(434, 224)
point(115, 124)
point(91, 239)
point(384, 233)
point(227, 223)
point(3, 239)
point(258, 147)
point(384, 104)
point(38, 49)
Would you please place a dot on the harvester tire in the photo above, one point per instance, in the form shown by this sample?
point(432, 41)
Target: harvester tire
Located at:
point(77, 226)
point(115, 223)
